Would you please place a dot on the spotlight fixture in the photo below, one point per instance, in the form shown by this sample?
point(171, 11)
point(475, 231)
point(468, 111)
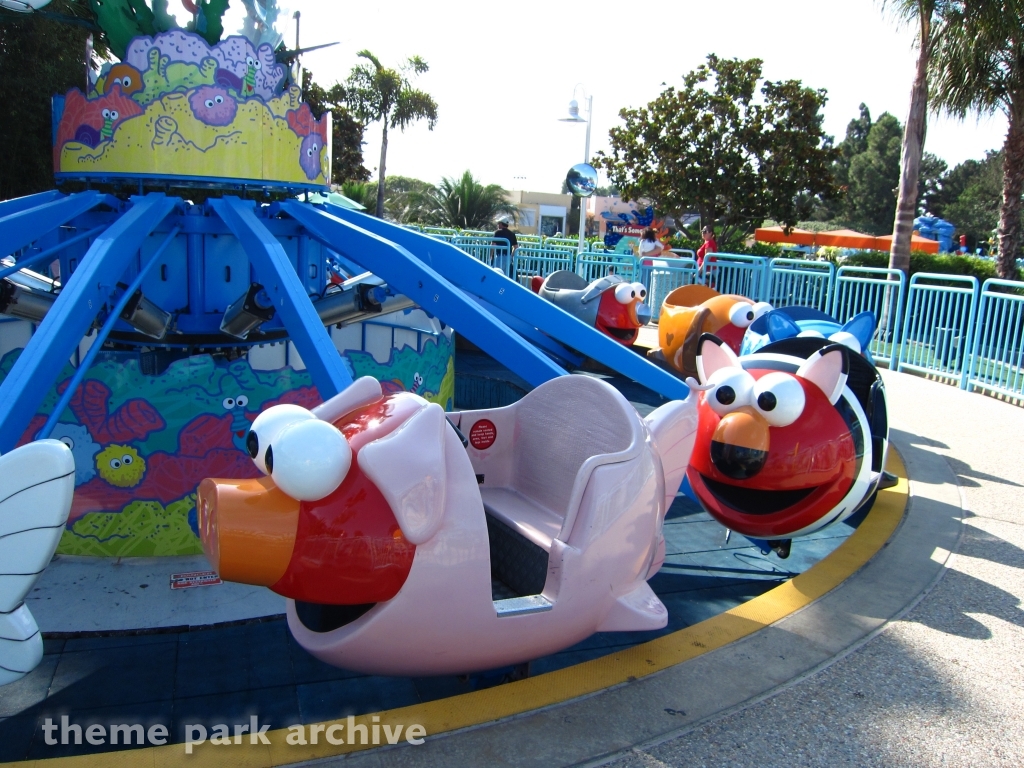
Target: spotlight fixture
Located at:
point(146, 317)
point(248, 312)
point(19, 299)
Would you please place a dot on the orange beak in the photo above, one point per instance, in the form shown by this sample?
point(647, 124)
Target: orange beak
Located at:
point(248, 529)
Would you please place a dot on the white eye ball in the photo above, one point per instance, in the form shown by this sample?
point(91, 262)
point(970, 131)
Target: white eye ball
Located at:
point(106, 114)
point(810, 335)
point(779, 398)
point(847, 339)
point(127, 459)
point(641, 292)
point(311, 459)
point(266, 428)
point(241, 401)
point(742, 314)
point(209, 103)
point(258, 65)
point(219, 99)
point(228, 403)
point(126, 81)
point(762, 308)
point(68, 441)
point(732, 389)
point(249, 61)
point(114, 114)
point(115, 463)
point(624, 293)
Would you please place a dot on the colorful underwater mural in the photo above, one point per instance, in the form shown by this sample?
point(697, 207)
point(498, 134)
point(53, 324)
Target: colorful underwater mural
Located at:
point(177, 106)
point(624, 230)
point(142, 443)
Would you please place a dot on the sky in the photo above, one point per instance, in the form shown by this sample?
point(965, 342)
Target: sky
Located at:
point(502, 74)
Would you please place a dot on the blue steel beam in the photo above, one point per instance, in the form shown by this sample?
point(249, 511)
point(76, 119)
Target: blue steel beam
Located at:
point(16, 204)
point(19, 229)
point(564, 355)
point(279, 280)
point(36, 370)
point(49, 253)
point(406, 274)
point(479, 279)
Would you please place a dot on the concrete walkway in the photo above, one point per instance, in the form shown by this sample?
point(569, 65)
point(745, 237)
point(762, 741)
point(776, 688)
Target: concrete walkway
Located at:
point(944, 684)
point(915, 661)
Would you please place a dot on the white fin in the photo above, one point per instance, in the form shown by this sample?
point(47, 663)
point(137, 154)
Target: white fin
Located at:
point(360, 392)
point(636, 611)
point(408, 468)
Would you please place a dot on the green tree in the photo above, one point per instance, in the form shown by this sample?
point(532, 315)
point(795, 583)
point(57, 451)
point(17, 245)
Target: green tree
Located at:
point(406, 200)
point(724, 147)
point(970, 197)
point(924, 14)
point(979, 67)
point(873, 177)
point(379, 94)
point(346, 131)
point(362, 192)
point(40, 56)
point(466, 203)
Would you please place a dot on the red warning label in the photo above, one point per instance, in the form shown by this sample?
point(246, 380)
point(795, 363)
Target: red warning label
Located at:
point(194, 579)
point(483, 434)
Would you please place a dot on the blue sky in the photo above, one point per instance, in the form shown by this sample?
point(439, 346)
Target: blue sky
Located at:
point(503, 74)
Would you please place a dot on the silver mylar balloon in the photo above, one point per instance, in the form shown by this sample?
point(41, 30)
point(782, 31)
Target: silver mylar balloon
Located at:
point(582, 180)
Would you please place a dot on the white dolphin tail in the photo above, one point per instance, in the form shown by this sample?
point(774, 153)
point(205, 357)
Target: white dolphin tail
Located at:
point(673, 427)
point(636, 611)
point(37, 483)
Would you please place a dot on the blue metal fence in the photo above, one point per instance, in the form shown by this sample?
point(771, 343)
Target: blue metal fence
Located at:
point(880, 291)
point(937, 328)
point(531, 261)
point(591, 266)
point(662, 276)
point(997, 353)
point(493, 253)
point(734, 273)
point(800, 283)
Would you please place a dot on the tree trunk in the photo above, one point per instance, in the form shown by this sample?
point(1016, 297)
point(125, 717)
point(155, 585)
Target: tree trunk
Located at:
point(1013, 187)
point(380, 171)
point(910, 156)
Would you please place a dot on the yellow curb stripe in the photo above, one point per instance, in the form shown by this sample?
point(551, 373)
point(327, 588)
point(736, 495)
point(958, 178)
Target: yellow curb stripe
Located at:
point(589, 677)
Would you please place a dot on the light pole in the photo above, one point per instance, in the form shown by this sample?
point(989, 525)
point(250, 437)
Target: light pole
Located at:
point(574, 117)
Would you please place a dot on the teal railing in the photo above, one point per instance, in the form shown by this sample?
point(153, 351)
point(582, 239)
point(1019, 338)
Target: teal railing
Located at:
point(800, 283)
point(880, 291)
point(662, 276)
point(734, 273)
point(997, 351)
point(531, 261)
point(938, 326)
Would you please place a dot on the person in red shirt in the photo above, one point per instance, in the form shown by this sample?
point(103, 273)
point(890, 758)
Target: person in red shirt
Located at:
point(710, 246)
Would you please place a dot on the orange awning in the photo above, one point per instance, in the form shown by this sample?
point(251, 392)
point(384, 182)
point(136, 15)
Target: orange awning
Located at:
point(917, 243)
point(777, 235)
point(847, 238)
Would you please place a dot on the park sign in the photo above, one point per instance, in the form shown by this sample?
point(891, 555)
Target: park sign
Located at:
point(178, 107)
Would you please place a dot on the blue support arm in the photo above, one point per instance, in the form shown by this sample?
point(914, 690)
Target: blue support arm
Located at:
point(279, 280)
point(479, 279)
point(36, 370)
point(16, 204)
point(562, 354)
point(410, 276)
point(19, 229)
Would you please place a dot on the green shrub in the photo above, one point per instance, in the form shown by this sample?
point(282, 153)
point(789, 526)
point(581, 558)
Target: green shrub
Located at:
point(944, 264)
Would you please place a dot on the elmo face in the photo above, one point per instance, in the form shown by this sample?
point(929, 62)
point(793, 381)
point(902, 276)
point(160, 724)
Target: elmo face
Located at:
point(317, 529)
point(777, 453)
point(622, 312)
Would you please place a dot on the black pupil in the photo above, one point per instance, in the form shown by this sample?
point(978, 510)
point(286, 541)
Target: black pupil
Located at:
point(750, 315)
point(725, 395)
point(766, 401)
point(269, 461)
point(252, 444)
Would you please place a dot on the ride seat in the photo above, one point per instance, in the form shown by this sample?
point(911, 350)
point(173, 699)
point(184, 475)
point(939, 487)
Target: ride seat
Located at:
point(563, 430)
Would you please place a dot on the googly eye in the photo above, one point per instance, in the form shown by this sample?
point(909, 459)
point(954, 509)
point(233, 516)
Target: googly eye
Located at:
point(847, 339)
point(731, 389)
point(309, 152)
point(241, 401)
point(106, 114)
point(779, 398)
point(810, 335)
point(209, 103)
point(127, 459)
point(228, 403)
point(624, 293)
point(219, 99)
point(265, 430)
point(68, 442)
point(762, 308)
point(641, 292)
point(258, 64)
point(311, 459)
point(115, 463)
point(114, 114)
point(249, 61)
point(126, 81)
point(741, 314)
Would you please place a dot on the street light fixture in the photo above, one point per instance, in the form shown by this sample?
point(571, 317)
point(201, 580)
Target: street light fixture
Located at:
point(574, 117)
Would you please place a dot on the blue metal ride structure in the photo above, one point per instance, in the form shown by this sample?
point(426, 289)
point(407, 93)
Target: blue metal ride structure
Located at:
point(159, 272)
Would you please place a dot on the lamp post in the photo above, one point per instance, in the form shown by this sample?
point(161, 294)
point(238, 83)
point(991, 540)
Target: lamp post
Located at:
point(574, 117)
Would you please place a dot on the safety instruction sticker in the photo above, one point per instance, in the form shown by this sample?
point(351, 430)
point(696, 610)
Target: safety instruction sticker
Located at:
point(194, 579)
point(483, 434)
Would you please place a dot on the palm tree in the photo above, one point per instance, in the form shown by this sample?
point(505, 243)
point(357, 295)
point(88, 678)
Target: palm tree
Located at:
point(377, 93)
point(363, 192)
point(979, 67)
point(465, 203)
point(923, 13)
